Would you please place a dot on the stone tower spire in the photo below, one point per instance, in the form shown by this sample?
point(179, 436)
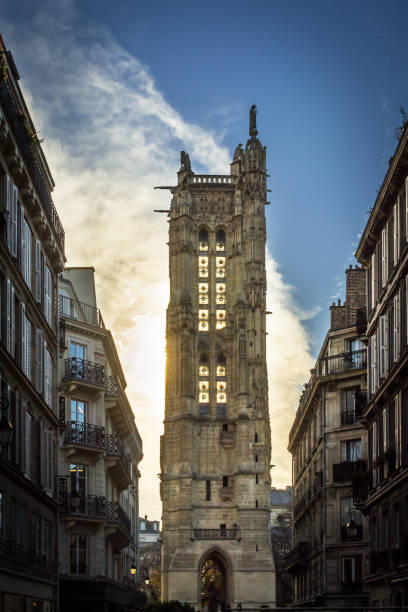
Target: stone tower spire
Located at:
point(215, 450)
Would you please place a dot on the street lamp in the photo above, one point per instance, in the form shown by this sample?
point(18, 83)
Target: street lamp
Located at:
point(146, 579)
point(6, 428)
point(133, 570)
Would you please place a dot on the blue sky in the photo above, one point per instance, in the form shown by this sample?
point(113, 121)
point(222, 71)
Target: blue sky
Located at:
point(118, 89)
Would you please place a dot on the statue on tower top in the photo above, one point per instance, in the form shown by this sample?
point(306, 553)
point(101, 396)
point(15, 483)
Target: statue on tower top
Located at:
point(252, 122)
point(185, 162)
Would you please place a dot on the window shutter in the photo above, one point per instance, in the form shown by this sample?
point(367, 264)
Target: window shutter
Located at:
point(47, 377)
point(49, 467)
point(22, 240)
point(8, 314)
point(38, 271)
point(28, 246)
point(6, 202)
point(27, 444)
point(39, 361)
point(29, 340)
point(13, 322)
point(14, 212)
point(23, 339)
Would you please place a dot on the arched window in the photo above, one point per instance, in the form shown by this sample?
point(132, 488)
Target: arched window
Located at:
point(203, 240)
point(221, 385)
point(220, 241)
point(203, 383)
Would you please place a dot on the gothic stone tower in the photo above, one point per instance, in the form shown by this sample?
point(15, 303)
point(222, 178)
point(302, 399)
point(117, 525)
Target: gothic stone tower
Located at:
point(215, 451)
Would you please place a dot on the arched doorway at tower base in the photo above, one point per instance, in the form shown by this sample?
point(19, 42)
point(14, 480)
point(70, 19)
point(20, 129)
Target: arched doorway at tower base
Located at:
point(215, 582)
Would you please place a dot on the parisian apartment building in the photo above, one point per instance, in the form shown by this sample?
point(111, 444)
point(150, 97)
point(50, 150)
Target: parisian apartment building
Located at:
point(383, 493)
point(69, 445)
point(99, 452)
point(31, 258)
point(328, 444)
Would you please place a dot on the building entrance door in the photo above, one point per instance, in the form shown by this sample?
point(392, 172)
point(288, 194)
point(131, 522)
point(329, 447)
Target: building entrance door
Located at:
point(213, 583)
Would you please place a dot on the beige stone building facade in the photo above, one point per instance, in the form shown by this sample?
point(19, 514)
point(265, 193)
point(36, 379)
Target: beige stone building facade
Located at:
point(216, 447)
point(328, 444)
point(99, 452)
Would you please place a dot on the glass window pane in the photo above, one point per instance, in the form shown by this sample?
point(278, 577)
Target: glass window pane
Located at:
point(203, 293)
point(220, 241)
point(220, 267)
point(203, 240)
point(221, 319)
point(203, 267)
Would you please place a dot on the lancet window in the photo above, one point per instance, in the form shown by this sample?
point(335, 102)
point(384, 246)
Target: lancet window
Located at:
point(204, 383)
point(203, 277)
point(220, 281)
point(221, 379)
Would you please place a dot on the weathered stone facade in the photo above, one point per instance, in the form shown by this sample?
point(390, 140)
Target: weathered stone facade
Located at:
point(215, 451)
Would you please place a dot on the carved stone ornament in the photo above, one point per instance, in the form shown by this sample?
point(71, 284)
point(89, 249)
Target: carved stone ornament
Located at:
point(185, 162)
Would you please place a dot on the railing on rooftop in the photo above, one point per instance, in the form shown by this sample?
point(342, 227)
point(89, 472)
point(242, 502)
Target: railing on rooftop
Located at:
point(16, 119)
point(87, 371)
point(73, 309)
point(219, 179)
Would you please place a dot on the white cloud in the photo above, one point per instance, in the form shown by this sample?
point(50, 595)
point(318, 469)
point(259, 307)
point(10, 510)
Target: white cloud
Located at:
point(110, 136)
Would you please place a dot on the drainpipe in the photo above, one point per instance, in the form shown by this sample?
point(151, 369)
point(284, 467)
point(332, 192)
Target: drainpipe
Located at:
point(324, 486)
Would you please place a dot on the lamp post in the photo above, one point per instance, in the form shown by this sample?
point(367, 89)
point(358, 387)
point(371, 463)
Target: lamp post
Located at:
point(6, 428)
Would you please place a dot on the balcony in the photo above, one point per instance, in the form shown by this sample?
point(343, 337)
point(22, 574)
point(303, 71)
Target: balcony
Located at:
point(297, 557)
point(346, 538)
point(117, 405)
point(119, 530)
point(90, 438)
point(25, 144)
point(344, 362)
point(91, 509)
point(72, 309)
point(352, 585)
point(88, 375)
point(16, 554)
point(346, 470)
point(117, 461)
point(228, 438)
point(217, 534)
point(227, 492)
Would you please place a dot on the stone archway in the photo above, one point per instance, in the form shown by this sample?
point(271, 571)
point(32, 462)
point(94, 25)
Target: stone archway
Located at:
point(214, 581)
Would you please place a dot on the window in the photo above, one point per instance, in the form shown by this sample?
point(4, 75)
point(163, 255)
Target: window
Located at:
point(347, 512)
point(384, 256)
point(221, 380)
point(77, 350)
point(373, 280)
point(28, 426)
point(396, 330)
point(256, 478)
point(78, 483)
point(48, 295)
point(10, 319)
point(204, 380)
point(398, 429)
point(374, 451)
point(78, 553)
point(397, 232)
point(26, 342)
point(383, 345)
point(208, 490)
point(348, 406)
point(203, 240)
point(47, 460)
point(203, 266)
point(225, 481)
point(48, 376)
point(351, 570)
point(36, 533)
point(26, 246)
point(385, 437)
point(373, 363)
point(78, 411)
point(351, 450)
point(220, 241)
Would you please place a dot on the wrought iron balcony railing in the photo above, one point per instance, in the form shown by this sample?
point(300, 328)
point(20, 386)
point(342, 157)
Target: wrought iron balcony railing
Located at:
point(81, 312)
point(17, 122)
point(85, 433)
point(217, 534)
point(297, 555)
point(115, 514)
point(87, 371)
point(89, 506)
point(114, 446)
point(25, 556)
point(345, 537)
point(112, 386)
point(346, 470)
point(344, 362)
